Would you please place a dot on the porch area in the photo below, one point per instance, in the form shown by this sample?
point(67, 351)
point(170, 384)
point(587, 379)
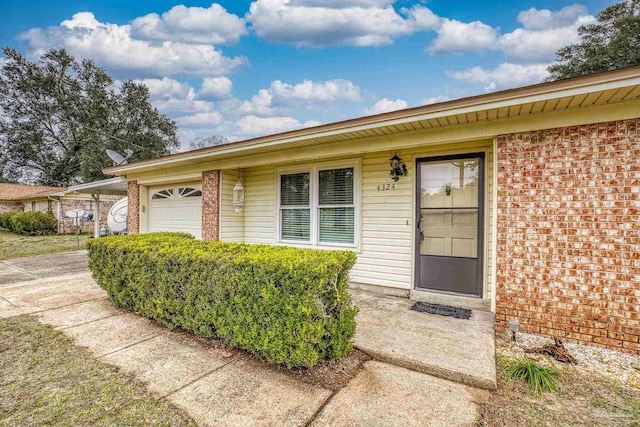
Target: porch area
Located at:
point(454, 349)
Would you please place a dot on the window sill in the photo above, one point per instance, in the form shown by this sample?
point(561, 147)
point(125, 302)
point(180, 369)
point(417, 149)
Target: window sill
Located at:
point(324, 247)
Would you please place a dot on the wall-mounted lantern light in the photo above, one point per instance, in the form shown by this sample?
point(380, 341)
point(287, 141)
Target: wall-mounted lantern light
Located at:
point(397, 170)
point(238, 195)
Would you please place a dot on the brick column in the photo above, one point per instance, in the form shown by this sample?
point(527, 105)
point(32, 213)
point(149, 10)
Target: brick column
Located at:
point(211, 205)
point(133, 208)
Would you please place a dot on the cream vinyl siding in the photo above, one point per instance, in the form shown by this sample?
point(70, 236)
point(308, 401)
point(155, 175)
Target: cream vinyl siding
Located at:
point(231, 222)
point(387, 219)
point(260, 205)
point(386, 252)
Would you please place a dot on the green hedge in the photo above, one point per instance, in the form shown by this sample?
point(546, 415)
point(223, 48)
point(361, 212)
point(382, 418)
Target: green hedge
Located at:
point(287, 305)
point(34, 223)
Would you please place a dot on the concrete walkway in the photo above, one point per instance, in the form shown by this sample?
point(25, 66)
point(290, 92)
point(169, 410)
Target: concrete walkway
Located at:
point(215, 385)
point(455, 349)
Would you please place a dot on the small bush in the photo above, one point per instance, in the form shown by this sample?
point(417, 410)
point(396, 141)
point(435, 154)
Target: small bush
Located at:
point(33, 223)
point(5, 218)
point(540, 378)
point(287, 305)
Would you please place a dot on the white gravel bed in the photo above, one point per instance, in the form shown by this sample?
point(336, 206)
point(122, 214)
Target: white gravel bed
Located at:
point(618, 366)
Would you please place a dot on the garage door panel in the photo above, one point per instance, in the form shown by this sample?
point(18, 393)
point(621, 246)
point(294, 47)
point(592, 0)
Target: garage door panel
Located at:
point(177, 213)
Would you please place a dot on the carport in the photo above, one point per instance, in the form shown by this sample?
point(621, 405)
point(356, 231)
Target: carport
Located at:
point(113, 186)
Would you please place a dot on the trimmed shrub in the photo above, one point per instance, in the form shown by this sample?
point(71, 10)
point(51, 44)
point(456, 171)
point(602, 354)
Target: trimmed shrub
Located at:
point(286, 305)
point(5, 218)
point(33, 223)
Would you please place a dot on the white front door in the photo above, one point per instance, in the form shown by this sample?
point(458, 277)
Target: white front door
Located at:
point(176, 208)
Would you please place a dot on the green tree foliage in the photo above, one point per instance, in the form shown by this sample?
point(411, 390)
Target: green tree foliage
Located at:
point(612, 42)
point(58, 116)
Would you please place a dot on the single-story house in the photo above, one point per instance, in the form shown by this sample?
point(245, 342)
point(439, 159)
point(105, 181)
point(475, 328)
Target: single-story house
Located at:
point(58, 201)
point(524, 202)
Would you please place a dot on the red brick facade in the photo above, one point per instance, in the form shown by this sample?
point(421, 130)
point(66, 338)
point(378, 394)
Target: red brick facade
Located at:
point(211, 205)
point(569, 233)
point(7, 206)
point(66, 225)
point(133, 207)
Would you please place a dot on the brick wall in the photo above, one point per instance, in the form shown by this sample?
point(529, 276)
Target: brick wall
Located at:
point(569, 233)
point(211, 205)
point(10, 206)
point(66, 225)
point(133, 207)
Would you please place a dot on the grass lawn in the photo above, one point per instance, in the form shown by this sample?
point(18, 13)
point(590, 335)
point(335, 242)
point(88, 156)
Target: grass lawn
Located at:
point(583, 399)
point(46, 380)
point(14, 245)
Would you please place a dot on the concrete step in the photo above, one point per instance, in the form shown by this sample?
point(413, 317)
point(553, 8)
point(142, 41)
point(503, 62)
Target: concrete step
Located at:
point(454, 349)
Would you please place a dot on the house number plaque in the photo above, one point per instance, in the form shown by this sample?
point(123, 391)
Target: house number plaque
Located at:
point(386, 187)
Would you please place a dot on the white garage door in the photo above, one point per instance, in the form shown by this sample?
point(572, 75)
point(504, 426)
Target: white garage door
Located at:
point(176, 208)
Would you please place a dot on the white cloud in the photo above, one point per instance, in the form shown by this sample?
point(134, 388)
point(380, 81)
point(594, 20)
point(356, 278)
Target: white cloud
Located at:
point(385, 105)
point(544, 19)
point(506, 75)
point(280, 97)
point(528, 45)
point(212, 25)
point(543, 32)
point(340, 4)
point(435, 99)
point(167, 88)
point(309, 23)
point(215, 88)
point(172, 97)
point(315, 92)
point(260, 104)
point(254, 125)
point(209, 119)
point(112, 46)
point(455, 37)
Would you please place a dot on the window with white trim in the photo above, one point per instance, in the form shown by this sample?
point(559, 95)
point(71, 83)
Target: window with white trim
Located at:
point(336, 211)
point(318, 206)
point(295, 207)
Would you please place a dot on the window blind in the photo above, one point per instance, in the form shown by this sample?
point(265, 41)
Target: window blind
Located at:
point(295, 224)
point(336, 210)
point(336, 225)
point(295, 212)
point(294, 189)
point(336, 187)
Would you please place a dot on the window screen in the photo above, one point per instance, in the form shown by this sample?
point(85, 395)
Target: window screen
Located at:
point(295, 211)
point(336, 208)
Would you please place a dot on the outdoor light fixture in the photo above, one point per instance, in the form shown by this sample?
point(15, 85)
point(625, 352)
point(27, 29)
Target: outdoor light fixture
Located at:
point(238, 195)
point(397, 170)
point(514, 326)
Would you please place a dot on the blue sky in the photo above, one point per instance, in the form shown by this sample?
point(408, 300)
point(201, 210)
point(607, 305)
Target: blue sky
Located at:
point(243, 69)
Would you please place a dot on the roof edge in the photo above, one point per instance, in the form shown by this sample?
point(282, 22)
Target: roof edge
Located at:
point(442, 107)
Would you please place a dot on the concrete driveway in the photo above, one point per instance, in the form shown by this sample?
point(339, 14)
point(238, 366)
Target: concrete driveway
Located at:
point(214, 385)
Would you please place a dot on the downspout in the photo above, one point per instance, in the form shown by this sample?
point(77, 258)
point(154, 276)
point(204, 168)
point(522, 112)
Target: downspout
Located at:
point(59, 211)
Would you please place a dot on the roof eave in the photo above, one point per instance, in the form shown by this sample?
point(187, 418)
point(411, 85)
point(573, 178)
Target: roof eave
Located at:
point(539, 92)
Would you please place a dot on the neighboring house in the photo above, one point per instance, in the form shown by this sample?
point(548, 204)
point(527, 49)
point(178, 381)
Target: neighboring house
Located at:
point(524, 202)
point(57, 200)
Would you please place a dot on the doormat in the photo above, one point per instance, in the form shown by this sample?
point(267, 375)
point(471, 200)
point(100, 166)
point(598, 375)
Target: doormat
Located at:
point(442, 310)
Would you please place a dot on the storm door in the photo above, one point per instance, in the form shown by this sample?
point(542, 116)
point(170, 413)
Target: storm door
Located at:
point(450, 224)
